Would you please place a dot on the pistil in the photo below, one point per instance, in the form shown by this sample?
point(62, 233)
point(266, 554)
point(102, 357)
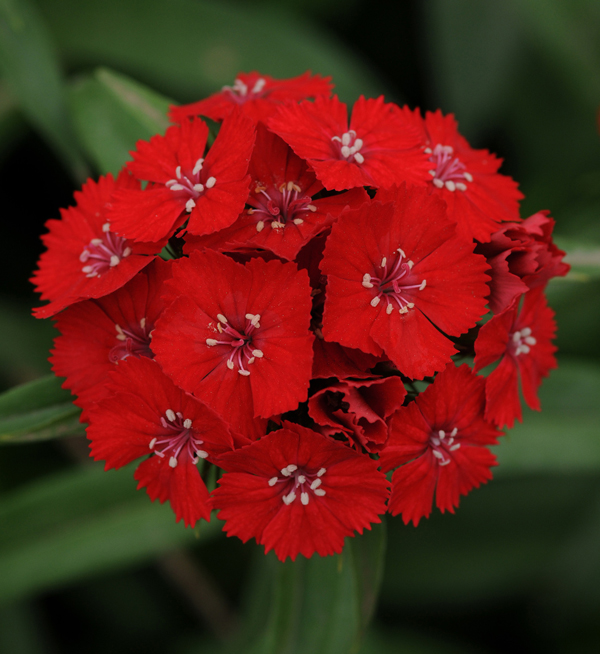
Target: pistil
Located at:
point(299, 482)
point(448, 170)
point(243, 352)
point(179, 440)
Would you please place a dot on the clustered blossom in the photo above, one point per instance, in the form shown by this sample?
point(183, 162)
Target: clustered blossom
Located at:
point(300, 309)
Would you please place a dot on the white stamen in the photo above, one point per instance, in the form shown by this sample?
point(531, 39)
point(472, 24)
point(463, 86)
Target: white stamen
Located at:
point(189, 205)
point(403, 310)
point(210, 182)
point(437, 454)
point(428, 151)
point(273, 481)
point(198, 188)
point(96, 241)
point(442, 433)
point(320, 492)
point(178, 172)
point(432, 173)
point(468, 177)
point(445, 463)
point(311, 207)
point(321, 472)
point(438, 182)
point(531, 340)
point(375, 301)
point(460, 186)
point(258, 353)
point(106, 227)
point(211, 342)
point(301, 479)
point(152, 443)
point(304, 498)
point(221, 318)
point(450, 185)
point(454, 432)
point(366, 282)
point(143, 323)
point(288, 499)
point(198, 166)
point(173, 462)
point(187, 423)
point(389, 309)
point(383, 262)
point(244, 373)
point(230, 364)
point(455, 447)
point(526, 331)
point(176, 187)
point(202, 454)
point(260, 225)
point(316, 483)
point(423, 284)
point(170, 415)
point(359, 158)
point(297, 221)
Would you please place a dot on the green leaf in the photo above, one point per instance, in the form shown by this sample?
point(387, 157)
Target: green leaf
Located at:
point(563, 437)
point(38, 410)
point(190, 48)
point(111, 113)
point(323, 605)
point(82, 522)
point(30, 67)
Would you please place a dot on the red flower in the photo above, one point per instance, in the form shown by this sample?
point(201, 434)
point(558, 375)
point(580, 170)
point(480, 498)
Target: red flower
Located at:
point(522, 342)
point(298, 492)
point(378, 149)
point(282, 216)
point(439, 440)
point(358, 410)
point(257, 95)
point(397, 275)
point(98, 334)
point(237, 336)
point(477, 196)
point(148, 414)
point(209, 192)
point(85, 258)
point(521, 256)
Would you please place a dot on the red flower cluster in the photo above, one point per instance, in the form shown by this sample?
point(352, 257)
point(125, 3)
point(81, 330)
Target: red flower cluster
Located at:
point(316, 268)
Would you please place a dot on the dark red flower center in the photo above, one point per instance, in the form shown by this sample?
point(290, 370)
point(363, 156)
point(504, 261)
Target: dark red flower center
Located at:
point(187, 185)
point(177, 440)
point(449, 171)
point(280, 205)
point(242, 352)
point(299, 482)
point(348, 147)
point(521, 341)
point(397, 284)
point(240, 93)
point(442, 444)
point(102, 254)
point(132, 340)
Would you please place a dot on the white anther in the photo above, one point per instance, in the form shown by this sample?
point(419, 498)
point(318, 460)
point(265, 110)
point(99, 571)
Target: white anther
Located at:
point(320, 492)
point(152, 443)
point(230, 364)
point(301, 479)
point(143, 323)
point(410, 305)
point(383, 262)
point(438, 182)
point(273, 481)
point(297, 221)
point(114, 261)
point(375, 301)
point(423, 285)
point(258, 87)
point(531, 340)
point(198, 166)
point(446, 462)
point(450, 185)
point(275, 224)
point(366, 282)
point(210, 182)
point(126, 252)
point(454, 432)
point(201, 454)
point(221, 318)
point(427, 151)
point(359, 158)
point(187, 423)
point(292, 468)
point(173, 462)
point(251, 360)
point(170, 415)
point(178, 172)
point(523, 348)
point(516, 337)
point(244, 373)
point(316, 483)
point(288, 499)
point(260, 225)
point(389, 309)
point(106, 227)
point(437, 454)
point(410, 263)
point(345, 150)
point(468, 177)
point(258, 353)
point(304, 498)
point(321, 472)
point(311, 207)
point(455, 447)
point(432, 173)
point(460, 186)
point(198, 188)
point(346, 138)
point(403, 310)
point(176, 187)
point(211, 342)
point(442, 433)
point(435, 441)
point(189, 205)
point(96, 241)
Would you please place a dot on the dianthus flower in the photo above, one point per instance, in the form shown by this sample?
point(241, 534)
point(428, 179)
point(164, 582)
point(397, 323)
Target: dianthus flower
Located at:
point(521, 256)
point(476, 195)
point(237, 336)
point(440, 443)
point(257, 95)
point(397, 277)
point(379, 148)
point(208, 191)
point(97, 334)
point(146, 414)
point(298, 492)
point(85, 257)
point(282, 215)
point(522, 342)
point(358, 409)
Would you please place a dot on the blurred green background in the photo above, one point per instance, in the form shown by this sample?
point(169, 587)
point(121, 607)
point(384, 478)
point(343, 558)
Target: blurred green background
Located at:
point(86, 563)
